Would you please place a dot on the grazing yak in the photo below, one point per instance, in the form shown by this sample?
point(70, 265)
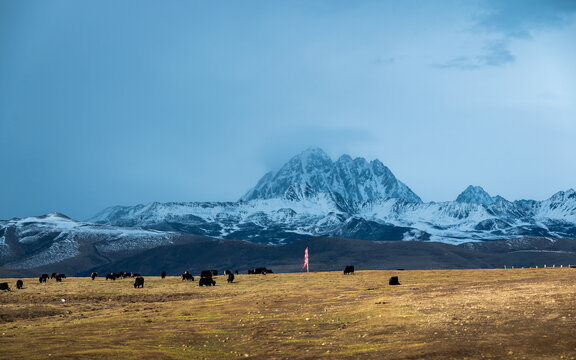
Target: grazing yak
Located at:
point(42, 278)
point(187, 276)
point(4, 286)
point(57, 276)
point(230, 277)
point(19, 284)
point(260, 270)
point(139, 282)
point(349, 270)
point(206, 282)
point(111, 276)
point(394, 281)
point(206, 278)
point(163, 275)
point(93, 275)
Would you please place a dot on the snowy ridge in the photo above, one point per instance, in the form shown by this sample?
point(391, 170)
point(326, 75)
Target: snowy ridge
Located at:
point(303, 211)
point(313, 196)
point(54, 237)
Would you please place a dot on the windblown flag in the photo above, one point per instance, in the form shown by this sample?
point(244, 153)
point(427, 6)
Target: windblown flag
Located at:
point(305, 260)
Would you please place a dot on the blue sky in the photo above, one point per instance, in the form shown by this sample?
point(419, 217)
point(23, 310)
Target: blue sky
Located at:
point(118, 103)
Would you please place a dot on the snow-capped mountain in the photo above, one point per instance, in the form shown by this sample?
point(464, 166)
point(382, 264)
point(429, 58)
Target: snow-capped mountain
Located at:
point(40, 240)
point(309, 196)
point(477, 195)
point(354, 179)
point(313, 196)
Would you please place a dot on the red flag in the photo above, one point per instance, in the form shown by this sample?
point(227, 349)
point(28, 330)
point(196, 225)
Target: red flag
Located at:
point(305, 260)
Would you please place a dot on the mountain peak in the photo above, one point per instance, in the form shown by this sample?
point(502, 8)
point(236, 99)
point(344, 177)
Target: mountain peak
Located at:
point(564, 195)
point(353, 179)
point(475, 195)
point(313, 152)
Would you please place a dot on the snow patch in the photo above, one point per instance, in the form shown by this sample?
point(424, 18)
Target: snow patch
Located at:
point(63, 248)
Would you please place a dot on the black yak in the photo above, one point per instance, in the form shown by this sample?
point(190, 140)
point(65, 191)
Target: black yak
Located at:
point(206, 278)
point(187, 276)
point(111, 276)
point(349, 270)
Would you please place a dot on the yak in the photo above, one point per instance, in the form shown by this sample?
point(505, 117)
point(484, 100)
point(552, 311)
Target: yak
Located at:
point(187, 276)
point(111, 276)
point(260, 270)
point(394, 281)
point(19, 284)
point(206, 282)
point(349, 270)
point(139, 282)
point(206, 278)
point(4, 286)
point(163, 274)
point(93, 275)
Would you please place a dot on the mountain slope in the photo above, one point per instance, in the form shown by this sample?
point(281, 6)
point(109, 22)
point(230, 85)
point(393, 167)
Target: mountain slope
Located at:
point(38, 241)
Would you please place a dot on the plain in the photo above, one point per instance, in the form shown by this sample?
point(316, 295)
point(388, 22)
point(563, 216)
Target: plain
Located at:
point(433, 314)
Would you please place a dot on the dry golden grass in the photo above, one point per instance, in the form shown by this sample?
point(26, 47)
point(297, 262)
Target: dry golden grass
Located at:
point(436, 314)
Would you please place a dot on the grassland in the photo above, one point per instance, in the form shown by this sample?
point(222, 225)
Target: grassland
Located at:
point(435, 314)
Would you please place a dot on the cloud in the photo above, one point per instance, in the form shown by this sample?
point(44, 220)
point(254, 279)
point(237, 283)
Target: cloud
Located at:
point(335, 141)
point(496, 54)
point(511, 20)
point(519, 18)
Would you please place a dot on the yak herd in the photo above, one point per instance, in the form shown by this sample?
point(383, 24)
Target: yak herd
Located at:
point(206, 277)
